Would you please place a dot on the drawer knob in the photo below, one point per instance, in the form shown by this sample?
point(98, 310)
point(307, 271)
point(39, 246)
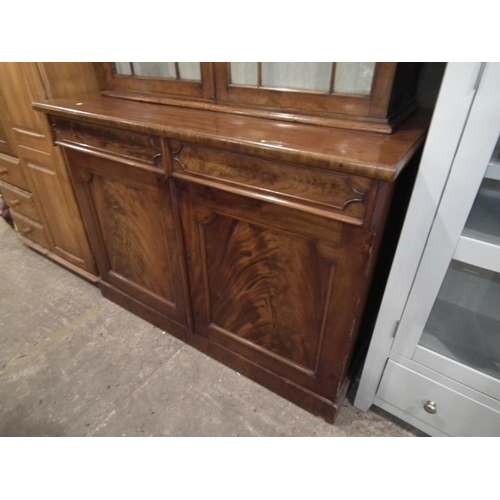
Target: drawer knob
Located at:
point(430, 407)
point(27, 230)
point(4, 171)
point(14, 203)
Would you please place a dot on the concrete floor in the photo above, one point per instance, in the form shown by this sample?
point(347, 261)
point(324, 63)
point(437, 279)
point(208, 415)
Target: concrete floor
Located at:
point(74, 364)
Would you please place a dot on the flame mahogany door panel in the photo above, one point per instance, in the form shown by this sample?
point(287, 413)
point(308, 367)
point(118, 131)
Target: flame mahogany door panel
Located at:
point(129, 215)
point(277, 286)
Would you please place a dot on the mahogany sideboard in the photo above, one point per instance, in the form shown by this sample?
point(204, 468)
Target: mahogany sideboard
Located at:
point(252, 240)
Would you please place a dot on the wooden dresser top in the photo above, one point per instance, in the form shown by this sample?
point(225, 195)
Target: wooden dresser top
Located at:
point(372, 155)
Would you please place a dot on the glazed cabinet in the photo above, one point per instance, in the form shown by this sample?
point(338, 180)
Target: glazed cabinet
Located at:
point(372, 96)
point(254, 240)
point(33, 176)
point(441, 370)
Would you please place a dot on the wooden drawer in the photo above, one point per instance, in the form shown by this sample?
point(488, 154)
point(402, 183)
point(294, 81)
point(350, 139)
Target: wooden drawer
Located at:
point(36, 157)
point(456, 414)
point(11, 171)
point(29, 228)
point(123, 143)
point(33, 140)
point(20, 200)
point(328, 194)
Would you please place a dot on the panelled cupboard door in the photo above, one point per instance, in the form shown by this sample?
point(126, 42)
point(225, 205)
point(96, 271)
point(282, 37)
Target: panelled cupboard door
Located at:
point(277, 286)
point(129, 216)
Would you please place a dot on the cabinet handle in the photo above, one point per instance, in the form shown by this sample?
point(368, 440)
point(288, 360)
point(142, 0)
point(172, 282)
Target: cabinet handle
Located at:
point(14, 203)
point(430, 407)
point(26, 230)
point(4, 171)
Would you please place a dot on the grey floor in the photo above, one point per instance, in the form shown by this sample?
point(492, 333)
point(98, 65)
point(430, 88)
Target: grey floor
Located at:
point(74, 364)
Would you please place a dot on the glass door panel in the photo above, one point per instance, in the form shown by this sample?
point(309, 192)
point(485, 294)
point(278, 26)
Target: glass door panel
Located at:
point(309, 76)
point(190, 71)
point(169, 79)
point(354, 78)
point(464, 323)
point(484, 220)
point(123, 68)
point(168, 70)
point(245, 73)
point(154, 69)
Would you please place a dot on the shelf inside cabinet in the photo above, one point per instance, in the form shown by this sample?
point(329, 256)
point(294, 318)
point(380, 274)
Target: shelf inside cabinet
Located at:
point(493, 170)
point(484, 220)
point(464, 336)
point(478, 253)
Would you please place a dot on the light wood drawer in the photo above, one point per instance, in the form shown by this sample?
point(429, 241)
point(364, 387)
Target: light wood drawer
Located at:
point(20, 200)
point(11, 171)
point(33, 140)
point(30, 228)
point(329, 194)
point(36, 157)
point(456, 414)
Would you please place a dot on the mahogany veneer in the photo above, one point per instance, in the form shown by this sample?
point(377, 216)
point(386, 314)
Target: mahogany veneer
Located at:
point(253, 240)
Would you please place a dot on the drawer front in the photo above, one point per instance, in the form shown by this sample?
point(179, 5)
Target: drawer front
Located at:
point(329, 194)
point(36, 157)
point(30, 228)
point(33, 140)
point(456, 414)
point(132, 145)
point(11, 171)
point(20, 200)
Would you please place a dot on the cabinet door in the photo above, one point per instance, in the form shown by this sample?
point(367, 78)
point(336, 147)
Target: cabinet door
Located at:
point(174, 79)
point(349, 89)
point(58, 207)
point(129, 216)
point(282, 288)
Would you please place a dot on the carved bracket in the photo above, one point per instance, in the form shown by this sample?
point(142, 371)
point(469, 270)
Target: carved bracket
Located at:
point(205, 215)
point(175, 147)
point(360, 195)
point(87, 176)
point(328, 253)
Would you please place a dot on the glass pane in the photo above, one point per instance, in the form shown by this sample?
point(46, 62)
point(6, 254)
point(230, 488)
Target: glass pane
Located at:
point(190, 71)
point(465, 321)
point(245, 73)
point(154, 69)
point(493, 171)
point(297, 75)
point(123, 68)
point(354, 77)
point(484, 219)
